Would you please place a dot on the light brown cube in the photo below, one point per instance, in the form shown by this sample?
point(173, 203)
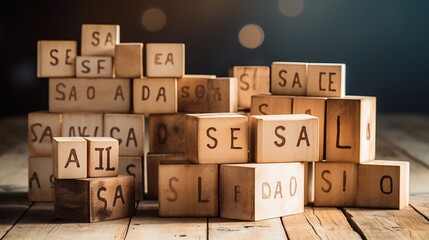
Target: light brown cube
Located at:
point(265, 104)
point(192, 93)
point(129, 60)
point(42, 127)
point(167, 133)
point(56, 58)
point(70, 160)
point(289, 78)
point(133, 166)
point(103, 156)
point(326, 80)
point(99, 39)
point(82, 125)
point(165, 59)
point(155, 95)
point(94, 67)
point(40, 179)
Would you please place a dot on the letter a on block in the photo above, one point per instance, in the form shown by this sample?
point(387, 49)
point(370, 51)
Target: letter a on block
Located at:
point(69, 157)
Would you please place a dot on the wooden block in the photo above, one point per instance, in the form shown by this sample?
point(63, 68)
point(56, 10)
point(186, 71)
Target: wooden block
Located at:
point(326, 80)
point(255, 192)
point(56, 58)
point(82, 125)
point(350, 129)
point(167, 133)
point(289, 78)
point(264, 104)
point(192, 93)
point(69, 157)
point(103, 155)
point(252, 80)
point(216, 138)
point(383, 184)
point(42, 127)
point(94, 67)
point(165, 59)
point(128, 129)
point(335, 184)
point(222, 95)
point(129, 60)
point(155, 95)
point(99, 39)
point(89, 95)
point(40, 179)
point(188, 190)
point(133, 166)
point(94, 199)
point(284, 138)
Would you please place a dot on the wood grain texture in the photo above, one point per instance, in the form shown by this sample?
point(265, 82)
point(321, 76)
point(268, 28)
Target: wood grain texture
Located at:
point(289, 78)
point(103, 155)
point(94, 67)
point(40, 179)
point(99, 39)
point(420, 203)
point(133, 166)
point(154, 95)
point(82, 125)
point(42, 127)
point(264, 104)
point(165, 59)
point(9, 215)
point(192, 93)
point(70, 157)
point(326, 80)
point(167, 133)
point(56, 58)
point(129, 60)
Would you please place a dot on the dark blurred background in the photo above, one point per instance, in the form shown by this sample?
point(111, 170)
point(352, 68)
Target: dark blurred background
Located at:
point(384, 43)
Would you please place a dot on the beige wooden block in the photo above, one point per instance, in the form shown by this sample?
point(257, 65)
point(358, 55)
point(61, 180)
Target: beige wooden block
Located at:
point(82, 125)
point(167, 133)
point(133, 166)
point(252, 80)
point(261, 191)
point(265, 104)
point(99, 39)
point(188, 190)
point(42, 127)
point(350, 129)
point(128, 129)
point(70, 160)
point(289, 78)
point(40, 179)
point(103, 156)
point(326, 80)
point(216, 138)
point(383, 184)
point(129, 60)
point(94, 199)
point(89, 95)
point(284, 138)
point(192, 93)
point(222, 95)
point(94, 67)
point(155, 95)
point(56, 58)
point(165, 59)
point(335, 184)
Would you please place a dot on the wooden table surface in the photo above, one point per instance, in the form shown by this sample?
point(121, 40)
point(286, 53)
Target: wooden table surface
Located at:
point(399, 137)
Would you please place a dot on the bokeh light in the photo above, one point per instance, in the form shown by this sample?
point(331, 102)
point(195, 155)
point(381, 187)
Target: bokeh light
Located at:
point(291, 8)
point(154, 19)
point(251, 36)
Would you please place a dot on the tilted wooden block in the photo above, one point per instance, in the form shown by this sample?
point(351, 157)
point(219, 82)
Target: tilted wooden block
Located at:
point(167, 133)
point(188, 190)
point(94, 66)
point(133, 166)
point(42, 127)
point(383, 184)
point(216, 138)
point(128, 129)
point(129, 60)
point(40, 179)
point(165, 59)
point(99, 39)
point(192, 93)
point(94, 199)
point(350, 129)
point(326, 80)
point(82, 125)
point(289, 78)
point(70, 160)
point(89, 95)
point(56, 58)
point(260, 191)
point(155, 95)
point(335, 184)
point(265, 104)
point(103, 155)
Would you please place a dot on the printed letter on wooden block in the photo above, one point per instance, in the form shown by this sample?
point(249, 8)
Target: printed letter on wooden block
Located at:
point(42, 127)
point(103, 155)
point(335, 184)
point(82, 125)
point(289, 78)
point(265, 104)
point(128, 129)
point(284, 138)
point(94, 67)
point(188, 190)
point(89, 95)
point(165, 59)
point(216, 138)
point(56, 58)
point(192, 93)
point(350, 129)
point(99, 40)
point(129, 60)
point(155, 95)
point(326, 80)
point(133, 166)
point(167, 133)
point(383, 184)
point(94, 199)
point(70, 157)
point(260, 191)
point(40, 179)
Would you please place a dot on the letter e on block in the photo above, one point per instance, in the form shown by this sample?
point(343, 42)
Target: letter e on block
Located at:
point(165, 59)
point(326, 80)
point(56, 58)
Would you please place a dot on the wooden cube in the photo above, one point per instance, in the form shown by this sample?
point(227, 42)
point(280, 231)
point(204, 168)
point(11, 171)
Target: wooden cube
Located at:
point(89, 95)
point(167, 133)
point(188, 190)
point(284, 138)
point(326, 80)
point(42, 127)
point(216, 138)
point(155, 95)
point(265, 104)
point(70, 159)
point(289, 78)
point(133, 166)
point(103, 155)
point(383, 184)
point(95, 199)
point(252, 80)
point(128, 129)
point(56, 58)
point(82, 125)
point(165, 59)
point(335, 184)
point(40, 179)
point(255, 192)
point(94, 67)
point(99, 39)
point(222, 95)
point(129, 60)
point(192, 93)
point(350, 129)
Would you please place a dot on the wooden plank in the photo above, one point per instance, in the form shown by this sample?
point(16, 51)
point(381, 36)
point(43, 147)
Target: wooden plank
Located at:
point(421, 204)
point(9, 215)
point(14, 161)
